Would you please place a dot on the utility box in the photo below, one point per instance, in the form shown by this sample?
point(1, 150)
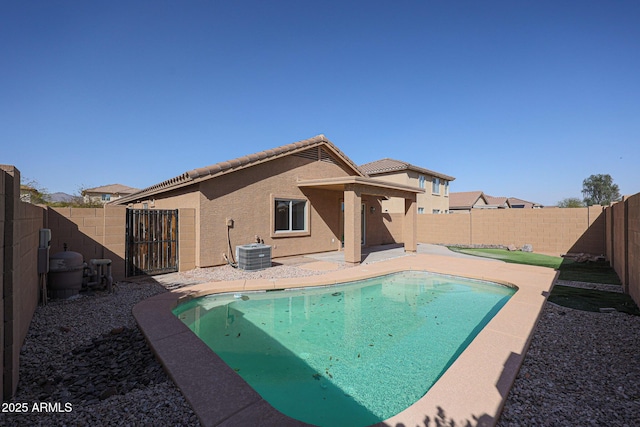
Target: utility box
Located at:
point(255, 256)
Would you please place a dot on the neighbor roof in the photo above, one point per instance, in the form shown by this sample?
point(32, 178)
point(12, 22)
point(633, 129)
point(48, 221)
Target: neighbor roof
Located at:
point(497, 201)
point(526, 204)
point(465, 199)
point(112, 189)
point(221, 168)
point(391, 165)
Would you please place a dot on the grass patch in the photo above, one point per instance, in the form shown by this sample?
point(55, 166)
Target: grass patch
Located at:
point(581, 299)
point(516, 257)
point(592, 272)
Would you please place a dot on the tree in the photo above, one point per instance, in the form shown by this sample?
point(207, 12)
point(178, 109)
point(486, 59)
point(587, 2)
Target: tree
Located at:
point(600, 190)
point(571, 202)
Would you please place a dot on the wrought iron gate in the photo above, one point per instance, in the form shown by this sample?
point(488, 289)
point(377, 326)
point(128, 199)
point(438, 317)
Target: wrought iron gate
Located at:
point(152, 241)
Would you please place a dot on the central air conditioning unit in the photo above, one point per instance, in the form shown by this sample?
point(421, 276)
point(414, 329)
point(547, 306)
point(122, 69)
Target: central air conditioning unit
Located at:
point(255, 256)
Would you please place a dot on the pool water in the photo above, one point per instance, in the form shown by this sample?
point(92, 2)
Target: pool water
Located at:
point(346, 355)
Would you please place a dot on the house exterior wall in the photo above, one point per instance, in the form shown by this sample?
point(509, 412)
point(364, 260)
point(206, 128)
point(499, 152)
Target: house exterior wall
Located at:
point(428, 201)
point(552, 231)
point(247, 197)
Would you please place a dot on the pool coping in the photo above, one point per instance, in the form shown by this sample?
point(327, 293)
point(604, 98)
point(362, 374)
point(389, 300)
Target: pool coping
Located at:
point(472, 391)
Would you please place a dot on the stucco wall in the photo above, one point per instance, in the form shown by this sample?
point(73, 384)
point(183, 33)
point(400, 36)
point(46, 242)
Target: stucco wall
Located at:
point(552, 231)
point(246, 196)
point(186, 239)
point(427, 200)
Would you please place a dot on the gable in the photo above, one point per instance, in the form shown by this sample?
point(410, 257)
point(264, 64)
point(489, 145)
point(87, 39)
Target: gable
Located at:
point(316, 148)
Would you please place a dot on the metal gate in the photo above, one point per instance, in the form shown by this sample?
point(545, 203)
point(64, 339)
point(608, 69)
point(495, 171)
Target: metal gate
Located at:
point(152, 241)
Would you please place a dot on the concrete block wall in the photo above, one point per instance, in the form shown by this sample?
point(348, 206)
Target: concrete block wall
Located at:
point(623, 242)
point(552, 231)
point(19, 239)
point(444, 229)
point(93, 232)
point(633, 247)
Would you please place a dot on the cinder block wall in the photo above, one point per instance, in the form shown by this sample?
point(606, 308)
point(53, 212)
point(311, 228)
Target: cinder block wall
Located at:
point(19, 237)
point(633, 247)
point(623, 242)
point(93, 232)
point(444, 229)
point(552, 231)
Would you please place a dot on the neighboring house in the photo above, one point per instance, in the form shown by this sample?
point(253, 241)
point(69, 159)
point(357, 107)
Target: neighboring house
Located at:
point(498, 202)
point(435, 199)
point(29, 194)
point(107, 193)
point(299, 198)
point(463, 202)
point(523, 204)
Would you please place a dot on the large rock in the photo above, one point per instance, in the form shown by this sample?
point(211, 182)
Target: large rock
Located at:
point(527, 248)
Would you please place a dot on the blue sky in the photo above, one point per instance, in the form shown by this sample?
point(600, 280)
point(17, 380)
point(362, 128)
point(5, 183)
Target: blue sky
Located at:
point(515, 98)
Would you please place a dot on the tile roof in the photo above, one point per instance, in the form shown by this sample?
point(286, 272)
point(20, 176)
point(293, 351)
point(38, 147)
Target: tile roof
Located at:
point(112, 189)
point(497, 201)
point(217, 169)
point(391, 165)
point(516, 201)
point(464, 199)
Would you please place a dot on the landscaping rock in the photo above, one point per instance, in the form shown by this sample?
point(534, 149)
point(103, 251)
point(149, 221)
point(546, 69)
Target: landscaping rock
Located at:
point(527, 248)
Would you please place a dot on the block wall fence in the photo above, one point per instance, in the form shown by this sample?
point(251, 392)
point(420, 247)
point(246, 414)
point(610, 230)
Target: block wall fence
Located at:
point(100, 233)
point(623, 242)
point(93, 232)
point(19, 239)
point(549, 231)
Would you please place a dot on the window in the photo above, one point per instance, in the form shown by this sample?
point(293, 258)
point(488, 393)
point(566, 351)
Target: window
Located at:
point(421, 181)
point(436, 211)
point(420, 211)
point(435, 186)
point(446, 188)
point(106, 197)
point(290, 215)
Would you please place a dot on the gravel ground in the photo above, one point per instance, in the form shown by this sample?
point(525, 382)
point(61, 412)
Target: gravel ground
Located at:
point(88, 361)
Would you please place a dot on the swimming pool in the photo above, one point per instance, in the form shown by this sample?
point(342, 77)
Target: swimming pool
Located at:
point(352, 354)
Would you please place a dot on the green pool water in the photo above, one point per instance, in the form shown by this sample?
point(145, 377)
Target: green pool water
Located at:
point(346, 355)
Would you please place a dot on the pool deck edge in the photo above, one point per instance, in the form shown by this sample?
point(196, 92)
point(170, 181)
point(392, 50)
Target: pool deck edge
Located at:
point(473, 390)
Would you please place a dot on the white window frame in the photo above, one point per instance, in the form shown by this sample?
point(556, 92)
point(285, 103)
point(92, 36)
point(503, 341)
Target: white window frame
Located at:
point(446, 188)
point(435, 186)
point(421, 181)
point(420, 211)
point(289, 232)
